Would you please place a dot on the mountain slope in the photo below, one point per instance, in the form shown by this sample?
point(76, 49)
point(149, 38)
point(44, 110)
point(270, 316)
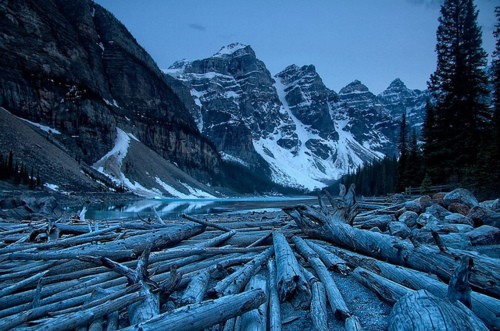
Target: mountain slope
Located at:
point(78, 70)
point(307, 134)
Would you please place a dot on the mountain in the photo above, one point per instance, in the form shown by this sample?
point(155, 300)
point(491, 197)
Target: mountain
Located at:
point(399, 99)
point(77, 70)
point(290, 126)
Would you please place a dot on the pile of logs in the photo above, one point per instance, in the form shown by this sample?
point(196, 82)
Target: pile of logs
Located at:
point(255, 274)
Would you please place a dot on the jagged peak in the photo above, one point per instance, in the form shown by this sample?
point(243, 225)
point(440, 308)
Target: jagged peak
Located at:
point(232, 48)
point(294, 70)
point(397, 84)
point(354, 86)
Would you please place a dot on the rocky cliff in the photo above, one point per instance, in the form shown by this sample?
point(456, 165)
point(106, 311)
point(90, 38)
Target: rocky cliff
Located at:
point(306, 133)
point(72, 66)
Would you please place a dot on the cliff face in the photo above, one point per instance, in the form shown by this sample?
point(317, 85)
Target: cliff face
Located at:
point(72, 66)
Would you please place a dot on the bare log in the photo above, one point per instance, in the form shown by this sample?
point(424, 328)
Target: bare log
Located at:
point(485, 276)
point(319, 314)
point(20, 285)
point(274, 303)
point(81, 318)
point(235, 282)
point(122, 249)
point(353, 324)
point(196, 289)
point(459, 288)
point(256, 319)
point(202, 315)
point(335, 298)
point(291, 284)
point(421, 311)
point(206, 223)
point(330, 260)
point(485, 307)
point(387, 290)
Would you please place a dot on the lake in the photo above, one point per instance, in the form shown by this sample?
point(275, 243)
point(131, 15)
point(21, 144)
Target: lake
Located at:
point(172, 208)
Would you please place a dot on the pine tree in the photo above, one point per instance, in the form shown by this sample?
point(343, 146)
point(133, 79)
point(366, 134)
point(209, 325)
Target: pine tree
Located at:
point(10, 164)
point(488, 173)
point(459, 88)
point(403, 153)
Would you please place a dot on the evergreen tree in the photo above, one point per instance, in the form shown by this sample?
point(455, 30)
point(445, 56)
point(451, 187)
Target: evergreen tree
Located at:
point(459, 88)
point(488, 172)
point(413, 169)
point(403, 153)
point(10, 164)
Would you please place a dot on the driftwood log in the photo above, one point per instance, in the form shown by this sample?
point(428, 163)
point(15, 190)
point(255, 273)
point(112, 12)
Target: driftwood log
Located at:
point(484, 278)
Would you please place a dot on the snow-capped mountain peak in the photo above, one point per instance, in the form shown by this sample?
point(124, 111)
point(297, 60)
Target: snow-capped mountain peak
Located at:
point(231, 49)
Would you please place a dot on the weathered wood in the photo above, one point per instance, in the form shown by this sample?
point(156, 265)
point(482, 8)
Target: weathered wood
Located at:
point(387, 290)
point(335, 298)
point(319, 315)
point(202, 315)
point(353, 324)
point(485, 276)
point(235, 282)
point(291, 283)
point(420, 310)
point(196, 289)
point(256, 319)
point(23, 283)
point(331, 261)
point(123, 249)
point(80, 318)
point(485, 307)
point(274, 303)
point(459, 287)
point(206, 223)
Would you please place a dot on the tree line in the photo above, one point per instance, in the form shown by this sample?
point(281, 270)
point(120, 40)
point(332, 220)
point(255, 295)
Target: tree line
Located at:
point(460, 137)
point(17, 173)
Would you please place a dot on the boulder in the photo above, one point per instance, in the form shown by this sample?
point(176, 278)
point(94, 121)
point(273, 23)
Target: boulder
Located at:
point(409, 218)
point(437, 211)
point(455, 218)
point(458, 208)
point(460, 195)
point(413, 206)
point(484, 216)
point(425, 218)
point(399, 229)
point(484, 235)
point(491, 204)
point(456, 240)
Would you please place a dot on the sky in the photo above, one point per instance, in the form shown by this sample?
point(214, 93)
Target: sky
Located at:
point(374, 41)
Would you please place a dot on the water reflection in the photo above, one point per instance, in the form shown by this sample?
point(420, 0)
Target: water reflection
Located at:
point(171, 208)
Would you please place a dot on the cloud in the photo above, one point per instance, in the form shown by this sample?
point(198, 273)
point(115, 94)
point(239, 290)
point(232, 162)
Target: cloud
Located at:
point(427, 3)
point(197, 26)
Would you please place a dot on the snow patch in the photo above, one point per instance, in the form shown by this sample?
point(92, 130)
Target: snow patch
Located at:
point(52, 187)
point(42, 127)
point(229, 49)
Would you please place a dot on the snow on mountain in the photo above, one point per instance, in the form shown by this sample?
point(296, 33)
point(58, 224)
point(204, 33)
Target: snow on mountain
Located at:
point(120, 165)
point(305, 134)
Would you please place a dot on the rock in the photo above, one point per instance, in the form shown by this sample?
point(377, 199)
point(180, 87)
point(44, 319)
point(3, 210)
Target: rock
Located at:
point(426, 218)
point(484, 216)
point(437, 211)
point(398, 198)
point(399, 229)
point(456, 228)
point(47, 205)
point(413, 206)
point(460, 195)
point(456, 240)
point(491, 204)
point(409, 218)
point(459, 208)
point(484, 235)
point(455, 218)
point(424, 201)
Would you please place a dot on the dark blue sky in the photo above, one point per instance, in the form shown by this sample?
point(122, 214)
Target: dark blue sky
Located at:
point(374, 41)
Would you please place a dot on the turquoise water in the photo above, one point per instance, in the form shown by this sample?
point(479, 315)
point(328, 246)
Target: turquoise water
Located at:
point(171, 208)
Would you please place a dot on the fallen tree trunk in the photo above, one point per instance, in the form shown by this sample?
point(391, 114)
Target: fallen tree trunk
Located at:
point(256, 319)
point(319, 315)
point(421, 311)
point(120, 250)
point(205, 314)
point(335, 298)
point(485, 276)
point(485, 307)
point(291, 283)
point(274, 303)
